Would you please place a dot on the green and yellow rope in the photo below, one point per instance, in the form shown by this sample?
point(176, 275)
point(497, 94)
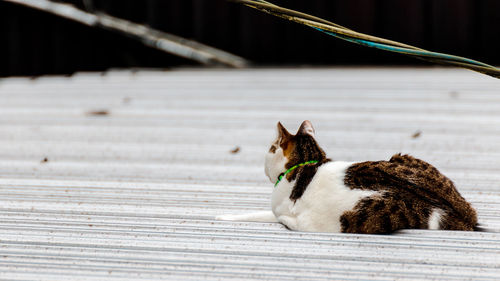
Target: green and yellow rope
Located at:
point(282, 175)
point(368, 40)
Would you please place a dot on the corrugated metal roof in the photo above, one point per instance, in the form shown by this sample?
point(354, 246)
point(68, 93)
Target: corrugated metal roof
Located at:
point(132, 194)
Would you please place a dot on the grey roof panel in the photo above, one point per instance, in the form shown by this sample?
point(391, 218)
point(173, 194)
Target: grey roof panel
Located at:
point(132, 194)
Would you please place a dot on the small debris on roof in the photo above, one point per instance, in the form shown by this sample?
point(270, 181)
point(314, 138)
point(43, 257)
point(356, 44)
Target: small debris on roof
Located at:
point(236, 150)
point(416, 135)
point(454, 95)
point(44, 160)
point(98, 113)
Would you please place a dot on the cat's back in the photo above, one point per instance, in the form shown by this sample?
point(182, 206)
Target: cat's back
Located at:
point(414, 195)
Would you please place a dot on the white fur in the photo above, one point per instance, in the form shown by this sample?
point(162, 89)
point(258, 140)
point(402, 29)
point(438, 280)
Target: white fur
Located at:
point(324, 201)
point(264, 216)
point(435, 218)
point(320, 207)
point(275, 164)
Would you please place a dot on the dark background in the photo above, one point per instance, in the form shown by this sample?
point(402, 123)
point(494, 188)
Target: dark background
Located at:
point(35, 43)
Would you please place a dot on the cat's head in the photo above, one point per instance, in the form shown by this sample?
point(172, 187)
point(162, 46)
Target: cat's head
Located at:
point(288, 150)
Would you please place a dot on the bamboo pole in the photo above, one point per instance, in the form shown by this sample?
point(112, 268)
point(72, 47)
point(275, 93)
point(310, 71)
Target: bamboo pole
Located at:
point(160, 40)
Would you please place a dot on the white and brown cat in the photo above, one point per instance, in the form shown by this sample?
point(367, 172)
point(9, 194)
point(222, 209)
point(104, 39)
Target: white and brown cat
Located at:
point(314, 193)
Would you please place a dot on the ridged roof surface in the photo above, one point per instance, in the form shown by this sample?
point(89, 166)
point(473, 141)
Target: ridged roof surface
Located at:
point(119, 176)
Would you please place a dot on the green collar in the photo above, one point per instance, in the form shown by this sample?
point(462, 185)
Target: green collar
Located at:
point(282, 175)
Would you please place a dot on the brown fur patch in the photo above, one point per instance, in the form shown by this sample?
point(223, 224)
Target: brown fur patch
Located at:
point(299, 149)
point(302, 148)
point(288, 146)
point(272, 149)
point(412, 188)
point(303, 178)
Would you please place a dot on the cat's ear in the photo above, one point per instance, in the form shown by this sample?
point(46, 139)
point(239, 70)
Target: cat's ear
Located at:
point(282, 132)
point(306, 129)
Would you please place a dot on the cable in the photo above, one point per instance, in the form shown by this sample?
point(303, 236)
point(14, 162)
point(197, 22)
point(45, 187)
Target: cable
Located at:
point(368, 40)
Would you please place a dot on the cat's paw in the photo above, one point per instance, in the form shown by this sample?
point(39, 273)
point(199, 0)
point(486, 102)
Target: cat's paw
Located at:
point(263, 216)
point(226, 218)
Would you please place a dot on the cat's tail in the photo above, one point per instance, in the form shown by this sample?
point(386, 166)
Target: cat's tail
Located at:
point(478, 227)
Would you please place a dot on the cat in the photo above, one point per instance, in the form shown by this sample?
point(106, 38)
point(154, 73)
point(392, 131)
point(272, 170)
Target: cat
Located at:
point(315, 194)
